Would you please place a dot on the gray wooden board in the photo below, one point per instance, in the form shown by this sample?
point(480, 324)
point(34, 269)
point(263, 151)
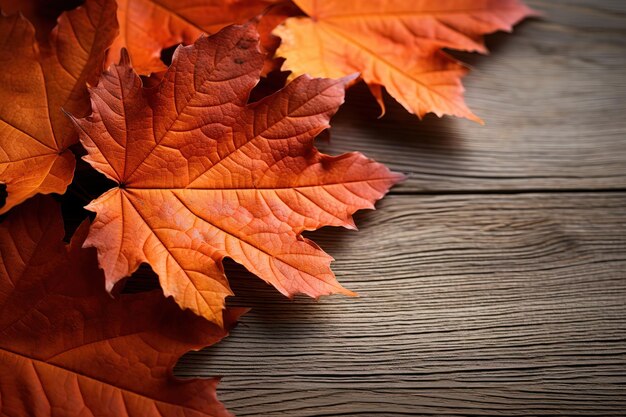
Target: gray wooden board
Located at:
point(493, 281)
point(469, 305)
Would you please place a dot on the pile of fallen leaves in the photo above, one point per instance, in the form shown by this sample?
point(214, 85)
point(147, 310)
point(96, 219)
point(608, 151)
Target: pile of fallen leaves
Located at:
point(197, 172)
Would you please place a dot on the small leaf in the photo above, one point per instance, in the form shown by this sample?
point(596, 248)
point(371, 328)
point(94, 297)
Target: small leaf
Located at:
point(148, 26)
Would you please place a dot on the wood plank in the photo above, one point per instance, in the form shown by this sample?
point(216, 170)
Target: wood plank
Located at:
point(553, 95)
point(511, 304)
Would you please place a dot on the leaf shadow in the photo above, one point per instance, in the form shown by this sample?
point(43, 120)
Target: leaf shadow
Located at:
point(398, 139)
point(267, 302)
point(496, 43)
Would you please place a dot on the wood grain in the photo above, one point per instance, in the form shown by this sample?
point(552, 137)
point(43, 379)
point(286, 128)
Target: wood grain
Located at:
point(506, 305)
point(493, 281)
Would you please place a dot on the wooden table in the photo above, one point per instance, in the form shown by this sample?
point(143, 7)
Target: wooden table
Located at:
point(493, 281)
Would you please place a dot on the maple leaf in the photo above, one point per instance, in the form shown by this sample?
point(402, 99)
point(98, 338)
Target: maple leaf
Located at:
point(148, 26)
point(396, 44)
point(68, 348)
point(37, 80)
point(203, 175)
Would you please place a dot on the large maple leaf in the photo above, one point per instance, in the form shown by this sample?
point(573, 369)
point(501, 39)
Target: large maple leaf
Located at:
point(37, 80)
point(203, 175)
point(396, 44)
point(68, 349)
point(148, 26)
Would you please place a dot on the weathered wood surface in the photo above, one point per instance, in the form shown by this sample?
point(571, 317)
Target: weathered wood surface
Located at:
point(468, 305)
point(503, 292)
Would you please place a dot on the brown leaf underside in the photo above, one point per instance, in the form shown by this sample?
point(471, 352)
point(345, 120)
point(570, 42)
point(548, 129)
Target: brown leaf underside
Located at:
point(67, 347)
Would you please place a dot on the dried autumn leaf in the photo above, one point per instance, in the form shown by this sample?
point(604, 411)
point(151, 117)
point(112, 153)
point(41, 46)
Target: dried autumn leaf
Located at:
point(68, 349)
point(38, 80)
point(148, 26)
point(202, 175)
point(396, 44)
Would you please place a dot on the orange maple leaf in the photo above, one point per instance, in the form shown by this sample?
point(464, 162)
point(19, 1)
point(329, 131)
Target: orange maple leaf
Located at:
point(37, 80)
point(68, 348)
point(396, 44)
point(203, 175)
point(148, 26)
